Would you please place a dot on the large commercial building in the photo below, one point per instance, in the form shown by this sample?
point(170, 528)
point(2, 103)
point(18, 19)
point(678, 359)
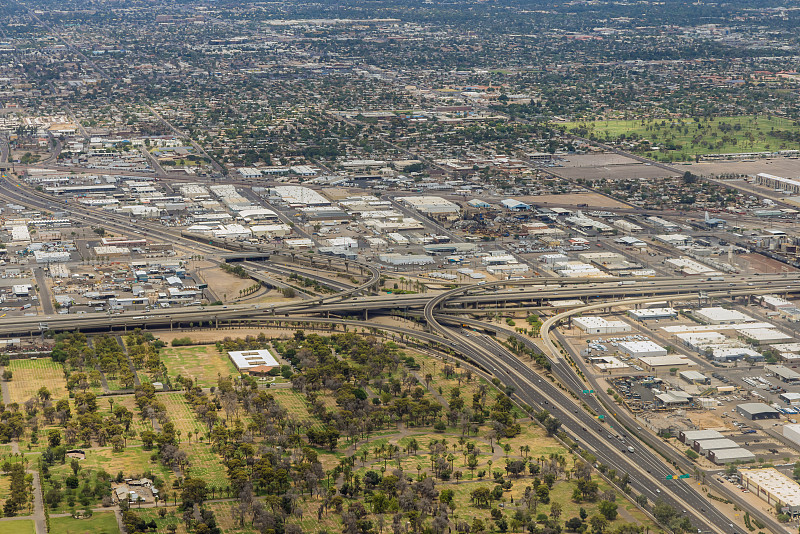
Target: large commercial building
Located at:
point(51, 257)
point(246, 360)
point(718, 315)
point(757, 410)
point(298, 196)
point(690, 436)
point(792, 433)
point(642, 349)
point(694, 377)
point(656, 364)
point(784, 373)
point(599, 325)
point(644, 314)
point(706, 445)
point(774, 487)
point(433, 206)
point(730, 456)
point(776, 182)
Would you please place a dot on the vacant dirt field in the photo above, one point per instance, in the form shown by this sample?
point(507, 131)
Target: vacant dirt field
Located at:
point(762, 264)
point(596, 160)
point(787, 168)
point(225, 286)
point(210, 336)
point(594, 200)
point(614, 172)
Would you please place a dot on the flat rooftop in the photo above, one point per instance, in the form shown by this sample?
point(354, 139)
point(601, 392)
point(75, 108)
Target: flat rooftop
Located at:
point(246, 359)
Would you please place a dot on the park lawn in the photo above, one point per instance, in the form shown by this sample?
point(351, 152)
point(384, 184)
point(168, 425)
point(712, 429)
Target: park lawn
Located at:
point(683, 131)
point(5, 488)
point(99, 523)
point(104, 409)
point(201, 362)
point(172, 518)
point(330, 522)
point(30, 375)
point(114, 384)
point(182, 416)
point(562, 492)
point(129, 401)
point(294, 403)
point(227, 522)
point(467, 388)
point(133, 462)
point(537, 439)
point(222, 513)
point(205, 464)
point(18, 526)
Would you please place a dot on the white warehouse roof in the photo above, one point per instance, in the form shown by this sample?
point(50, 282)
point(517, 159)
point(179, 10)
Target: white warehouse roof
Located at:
point(719, 315)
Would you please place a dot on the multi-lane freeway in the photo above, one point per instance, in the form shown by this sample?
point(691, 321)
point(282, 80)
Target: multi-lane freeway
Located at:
point(443, 312)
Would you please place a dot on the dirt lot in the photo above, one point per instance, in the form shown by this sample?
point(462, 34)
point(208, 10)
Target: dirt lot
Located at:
point(594, 200)
point(707, 419)
point(222, 283)
point(614, 172)
point(212, 335)
point(597, 160)
point(762, 264)
point(787, 168)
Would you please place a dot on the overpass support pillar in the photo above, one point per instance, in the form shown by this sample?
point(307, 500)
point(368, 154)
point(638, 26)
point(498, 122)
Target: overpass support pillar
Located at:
point(366, 314)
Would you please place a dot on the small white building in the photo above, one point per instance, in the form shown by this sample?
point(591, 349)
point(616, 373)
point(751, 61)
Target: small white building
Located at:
point(271, 230)
point(343, 242)
point(250, 173)
point(51, 257)
point(21, 290)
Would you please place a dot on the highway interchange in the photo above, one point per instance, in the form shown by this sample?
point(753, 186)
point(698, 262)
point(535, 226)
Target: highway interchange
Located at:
point(439, 310)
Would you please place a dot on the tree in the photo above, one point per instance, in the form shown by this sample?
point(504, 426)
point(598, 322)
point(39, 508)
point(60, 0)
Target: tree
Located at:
point(555, 510)
point(54, 438)
point(598, 523)
point(573, 524)
point(608, 509)
point(481, 496)
point(194, 491)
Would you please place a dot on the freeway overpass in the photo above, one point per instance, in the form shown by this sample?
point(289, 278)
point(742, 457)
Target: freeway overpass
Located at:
point(343, 303)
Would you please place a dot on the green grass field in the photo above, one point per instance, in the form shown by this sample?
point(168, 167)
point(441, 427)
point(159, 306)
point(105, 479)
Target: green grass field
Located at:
point(683, 139)
point(202, 362)
point(99, 523)
point(222, 513)
point(182, 415)
point(205, 464)
point(19, 526)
